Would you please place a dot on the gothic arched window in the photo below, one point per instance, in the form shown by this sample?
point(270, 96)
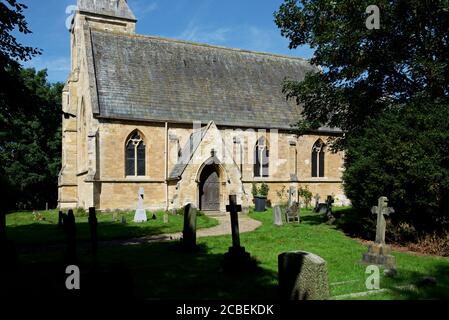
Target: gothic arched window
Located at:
point(261, 159)
point(135, 155)
point(318, 159)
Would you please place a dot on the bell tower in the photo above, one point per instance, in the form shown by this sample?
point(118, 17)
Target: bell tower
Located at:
point(110, 15)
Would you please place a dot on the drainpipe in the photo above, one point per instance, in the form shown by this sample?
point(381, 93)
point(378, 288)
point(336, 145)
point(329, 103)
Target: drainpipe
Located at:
point(166, 166)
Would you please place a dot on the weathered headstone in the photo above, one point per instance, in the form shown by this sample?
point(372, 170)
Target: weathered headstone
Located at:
point(123, 218)
point(379, 252)
point(165, 217)
point(115, 216)
point(302, 276)
point(70, 228)
point(236, 259)
point(93, 223)
point(140, 215)
point(277, 215)
point(189, 231)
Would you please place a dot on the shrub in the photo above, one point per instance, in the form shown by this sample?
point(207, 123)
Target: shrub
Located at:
point(306, 194)
point(262, 191)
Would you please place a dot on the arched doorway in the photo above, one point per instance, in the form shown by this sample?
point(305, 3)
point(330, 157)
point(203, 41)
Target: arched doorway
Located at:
point(210, 188)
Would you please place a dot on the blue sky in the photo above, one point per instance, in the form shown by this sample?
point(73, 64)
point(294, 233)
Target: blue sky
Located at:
point(246, 24)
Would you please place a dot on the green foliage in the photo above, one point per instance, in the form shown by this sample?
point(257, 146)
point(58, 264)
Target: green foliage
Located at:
point(404, 156)
point(306, 194)
point(254, 190)
point(261, 191)
point(30, 152)
point(282, 195)
point(364, 72)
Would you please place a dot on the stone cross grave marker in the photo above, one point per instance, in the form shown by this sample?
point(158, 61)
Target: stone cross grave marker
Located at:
point(379, 252)
point(291, 196)
point(233, 208)
point(277, 215)
point(381, 210)
point(140, 215)
point(236, 259)
point(189, 231)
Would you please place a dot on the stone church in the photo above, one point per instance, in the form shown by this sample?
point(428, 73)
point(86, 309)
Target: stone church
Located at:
point(187, 122)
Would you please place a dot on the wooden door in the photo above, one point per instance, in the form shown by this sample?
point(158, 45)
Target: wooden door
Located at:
point(210, 192)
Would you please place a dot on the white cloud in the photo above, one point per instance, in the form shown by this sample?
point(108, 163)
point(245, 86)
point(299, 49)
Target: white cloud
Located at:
point(141, 7)
point(196, 33)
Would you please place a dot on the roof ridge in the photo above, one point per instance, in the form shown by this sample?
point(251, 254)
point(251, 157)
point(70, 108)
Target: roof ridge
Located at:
point(159, 38)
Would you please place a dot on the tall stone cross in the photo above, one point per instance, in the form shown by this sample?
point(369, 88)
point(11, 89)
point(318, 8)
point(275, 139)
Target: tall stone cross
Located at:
point(381, 210)
point(233, 208)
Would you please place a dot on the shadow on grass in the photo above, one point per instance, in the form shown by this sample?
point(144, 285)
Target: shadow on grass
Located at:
point(153, 271)
point(313, 219)
point(434, 284)
point(32, 236)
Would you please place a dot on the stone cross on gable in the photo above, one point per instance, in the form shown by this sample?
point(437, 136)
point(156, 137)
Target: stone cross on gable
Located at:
point(233, 208)
point(381, 210)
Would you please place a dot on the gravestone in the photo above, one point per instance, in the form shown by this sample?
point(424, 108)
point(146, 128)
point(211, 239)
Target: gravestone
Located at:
point(236, 259)
point(379, 252)
point(140, 215)
point(189, 231)
point(93, 223)
point(70, 229)
point(317, 202)
point(277, 215)
point(165, 217)
point(302, 276)
point(60, 215)
point(115, 216)
point(123, 219)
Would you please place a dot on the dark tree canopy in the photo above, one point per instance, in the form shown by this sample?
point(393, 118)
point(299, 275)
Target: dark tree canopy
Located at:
point(403, 154)
point(12, 18)
point(31, 151)
point(366, 71)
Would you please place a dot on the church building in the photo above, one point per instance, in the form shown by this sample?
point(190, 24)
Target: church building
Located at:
point(187, 122)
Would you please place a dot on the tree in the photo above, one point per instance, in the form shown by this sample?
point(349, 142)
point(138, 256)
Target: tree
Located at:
point(364, 72)
point(403, 154)
point(30, 153)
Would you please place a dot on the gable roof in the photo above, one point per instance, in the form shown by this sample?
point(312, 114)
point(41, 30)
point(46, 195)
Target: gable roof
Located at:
point(187, 152)
point(155, 79)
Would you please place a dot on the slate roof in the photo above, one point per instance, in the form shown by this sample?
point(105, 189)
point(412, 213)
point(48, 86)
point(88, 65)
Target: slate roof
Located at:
point(156, 79)
point(114, 8)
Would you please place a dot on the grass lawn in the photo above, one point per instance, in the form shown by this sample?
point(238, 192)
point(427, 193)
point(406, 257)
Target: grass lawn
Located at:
point(163, 271)
point(23, 229)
